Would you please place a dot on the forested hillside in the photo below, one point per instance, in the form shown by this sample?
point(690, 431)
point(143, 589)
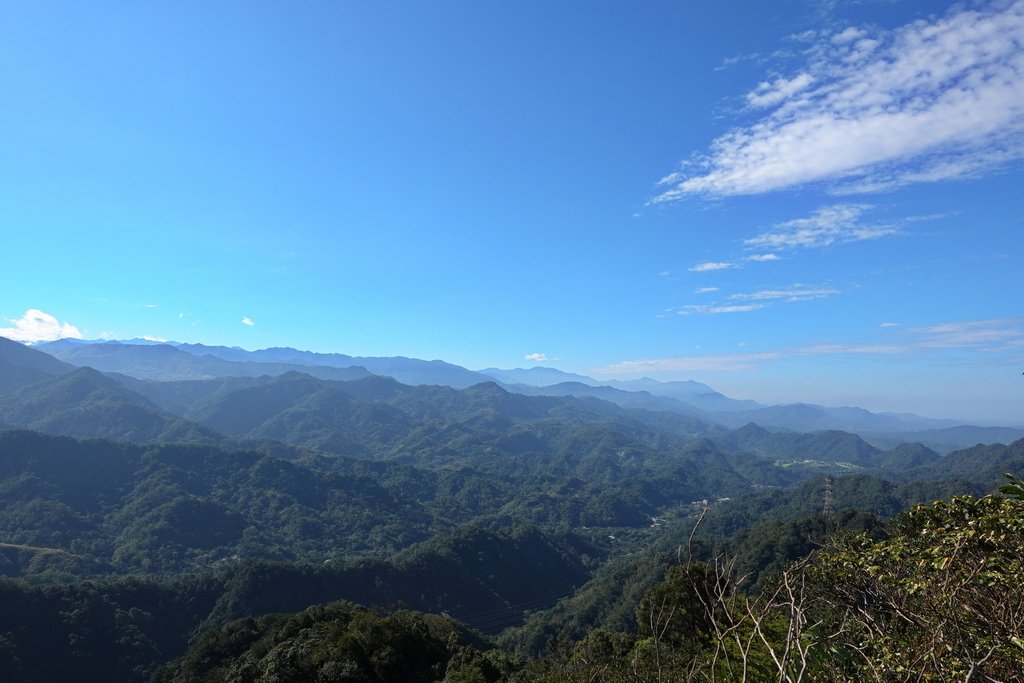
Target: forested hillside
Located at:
point(140, 520)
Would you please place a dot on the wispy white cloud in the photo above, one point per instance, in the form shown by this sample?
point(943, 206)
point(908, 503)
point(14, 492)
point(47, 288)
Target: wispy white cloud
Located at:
point(753, 301)
point(36, 326)
point(536, 357)
point(795, 293)
point(851, 349)
point(828, 225)
point(705, 290)
point(711, 266)
point(247, 321)
point(737, 59)
point(848, 35)
point(874, 110)
point(808, 36)
point(889, 324)
point(995, 334)
point(768, 94)
point(988, 336)
point(747, 361)
point(151, 338)
point(706, 309)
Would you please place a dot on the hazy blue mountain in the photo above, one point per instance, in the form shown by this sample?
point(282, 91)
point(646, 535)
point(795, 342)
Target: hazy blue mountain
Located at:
point(21, 365)
point(689, 391)
point(804, 417)
point(695, 394)
point(538, 376)
point(860, 420)
point(625, 399)
point(950, 439)
point(168, 362)
point(142, 341)
point(405, 370)
point(912, 421)
point(699, 401)
point(797, 416)
point(172, 361)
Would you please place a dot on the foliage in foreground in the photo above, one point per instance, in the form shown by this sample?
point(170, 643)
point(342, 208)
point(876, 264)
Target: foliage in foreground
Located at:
point(940, 599)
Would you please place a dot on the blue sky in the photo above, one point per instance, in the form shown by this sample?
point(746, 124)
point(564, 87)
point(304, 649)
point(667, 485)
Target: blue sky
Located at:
point(792, 201)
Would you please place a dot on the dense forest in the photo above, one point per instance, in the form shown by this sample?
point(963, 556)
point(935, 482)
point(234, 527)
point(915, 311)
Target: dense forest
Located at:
point(340, 525)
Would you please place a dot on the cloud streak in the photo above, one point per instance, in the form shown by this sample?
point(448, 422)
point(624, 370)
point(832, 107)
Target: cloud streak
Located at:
point(992, 336)
point(836, 224)
point(769, 94)
point(747, 361)
point(754, 301)
point(830, 225)
point(795, 293)
point(706, 309)
point(996, 334)
point(37, 326)
point(711, 266)
point(933, 100)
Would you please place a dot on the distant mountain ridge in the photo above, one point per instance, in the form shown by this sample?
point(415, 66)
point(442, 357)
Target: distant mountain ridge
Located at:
point(696, 398)
point(169, 362)
point(537, 376)
point(176, 361)
point(173, 361)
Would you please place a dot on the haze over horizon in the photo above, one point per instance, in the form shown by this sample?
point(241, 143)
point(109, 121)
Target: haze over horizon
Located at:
point(791, 202)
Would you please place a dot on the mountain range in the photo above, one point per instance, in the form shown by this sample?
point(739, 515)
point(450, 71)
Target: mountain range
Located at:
point(598, 433)
point(171, 361)
point(147, 503)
